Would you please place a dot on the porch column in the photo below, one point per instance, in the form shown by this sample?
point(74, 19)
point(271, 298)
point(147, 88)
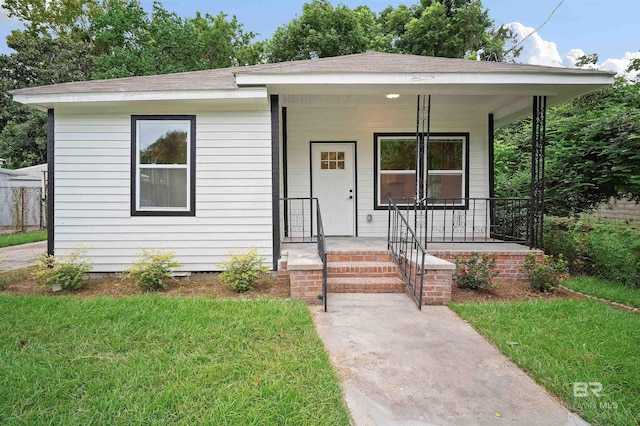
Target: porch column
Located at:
point(538, 142)
point(492, 173)
point(50, 196)
point(275, 177)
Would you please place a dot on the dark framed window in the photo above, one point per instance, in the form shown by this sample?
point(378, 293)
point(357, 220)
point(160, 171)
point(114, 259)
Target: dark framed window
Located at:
point(163, 151)
point(395, 167)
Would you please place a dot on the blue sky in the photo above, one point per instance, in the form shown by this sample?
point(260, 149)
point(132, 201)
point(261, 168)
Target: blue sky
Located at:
point(610, 28)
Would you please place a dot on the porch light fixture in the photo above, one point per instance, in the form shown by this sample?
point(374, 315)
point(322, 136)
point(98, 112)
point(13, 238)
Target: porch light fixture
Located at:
point(393, 96)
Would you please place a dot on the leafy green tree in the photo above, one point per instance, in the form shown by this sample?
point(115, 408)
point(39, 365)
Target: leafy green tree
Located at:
point(323, 31)
point(57, 17)
point(451, 28)
point(593, 152)
point(38, 60)
point(131, 42)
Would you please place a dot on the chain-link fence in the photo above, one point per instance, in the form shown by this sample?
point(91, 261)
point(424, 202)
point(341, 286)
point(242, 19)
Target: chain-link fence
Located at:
point(21, 209)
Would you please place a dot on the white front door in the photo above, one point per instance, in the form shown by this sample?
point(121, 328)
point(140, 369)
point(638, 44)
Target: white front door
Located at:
point(333, 184)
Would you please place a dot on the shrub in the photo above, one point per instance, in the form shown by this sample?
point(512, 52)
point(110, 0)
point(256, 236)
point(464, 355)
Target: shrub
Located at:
point(616, 252)
point(569, 237)
point(241, 271)
point(475, 273)
point(152, 270)
point(546, 276)
point(68, 271)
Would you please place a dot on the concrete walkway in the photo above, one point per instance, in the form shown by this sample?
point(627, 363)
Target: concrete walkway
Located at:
point(402, 366)
point(16, 257)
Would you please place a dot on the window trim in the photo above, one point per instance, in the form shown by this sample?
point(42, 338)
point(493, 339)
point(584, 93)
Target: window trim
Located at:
point(465, 167)
point(190, 210)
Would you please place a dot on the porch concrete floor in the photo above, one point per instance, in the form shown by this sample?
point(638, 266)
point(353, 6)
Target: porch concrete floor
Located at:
point(402, 366)
point(372, 243)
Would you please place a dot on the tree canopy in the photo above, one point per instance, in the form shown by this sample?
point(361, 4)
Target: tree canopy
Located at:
point(592, 154)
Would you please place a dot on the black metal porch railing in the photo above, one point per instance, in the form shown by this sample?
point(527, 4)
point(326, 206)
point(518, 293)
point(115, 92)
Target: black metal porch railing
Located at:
point(470, 220)
point(300, 215)
point(407, 250)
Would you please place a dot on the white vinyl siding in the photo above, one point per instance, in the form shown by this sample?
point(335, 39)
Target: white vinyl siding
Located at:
point(93, 189)
point(359, 123)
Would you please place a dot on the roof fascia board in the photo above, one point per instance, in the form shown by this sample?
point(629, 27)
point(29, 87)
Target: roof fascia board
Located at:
point(257, 79)
point(240, 94)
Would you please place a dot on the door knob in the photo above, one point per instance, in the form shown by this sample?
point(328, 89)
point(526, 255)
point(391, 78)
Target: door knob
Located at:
point(351, 197)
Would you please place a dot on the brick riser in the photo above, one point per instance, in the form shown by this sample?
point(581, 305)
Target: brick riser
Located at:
point(362, 272)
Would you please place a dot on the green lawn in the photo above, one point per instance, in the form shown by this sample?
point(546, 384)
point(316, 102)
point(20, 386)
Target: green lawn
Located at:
point(563, 341)
point(162, 360)
point(609, 290)
point(22, 238)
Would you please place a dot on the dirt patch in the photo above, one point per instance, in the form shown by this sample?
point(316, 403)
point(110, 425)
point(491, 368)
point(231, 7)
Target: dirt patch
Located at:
point(507, 290)
point(22, 282)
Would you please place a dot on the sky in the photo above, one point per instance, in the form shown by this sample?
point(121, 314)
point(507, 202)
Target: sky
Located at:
point(610, 28)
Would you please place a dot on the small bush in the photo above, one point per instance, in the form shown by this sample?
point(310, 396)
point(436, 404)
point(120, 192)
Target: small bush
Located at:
point(546, 276)
point(616, 253)
point(475, 273)
point(569, 237)
point(153, 269)
point(68, 271)
point(241, 271)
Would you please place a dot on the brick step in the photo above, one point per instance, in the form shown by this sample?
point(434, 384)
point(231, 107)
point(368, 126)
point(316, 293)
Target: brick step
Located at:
point(365, 285)
point(358, 256)
point(361, 269)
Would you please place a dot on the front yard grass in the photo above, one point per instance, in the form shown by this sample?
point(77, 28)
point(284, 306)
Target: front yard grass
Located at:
point(22, 238)
point(564, 341)
point(608, 290)
point(163, 360)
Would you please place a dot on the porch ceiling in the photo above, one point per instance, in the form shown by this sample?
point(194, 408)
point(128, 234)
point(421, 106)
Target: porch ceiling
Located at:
point(507, 103)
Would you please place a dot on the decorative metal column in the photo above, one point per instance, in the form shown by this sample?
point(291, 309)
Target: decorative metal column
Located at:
point(538, 142)
point(423, 136)
point(423, 130)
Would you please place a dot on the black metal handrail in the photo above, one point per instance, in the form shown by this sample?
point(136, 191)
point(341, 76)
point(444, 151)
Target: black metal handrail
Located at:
point(322, 252)
point(470, 220)
point(407, 251)
point(298, 219)
point(299, 226)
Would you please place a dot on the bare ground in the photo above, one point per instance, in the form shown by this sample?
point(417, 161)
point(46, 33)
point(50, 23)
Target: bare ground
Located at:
point(22, 282)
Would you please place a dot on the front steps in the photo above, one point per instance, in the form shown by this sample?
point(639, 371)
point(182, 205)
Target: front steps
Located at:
point(362, 272)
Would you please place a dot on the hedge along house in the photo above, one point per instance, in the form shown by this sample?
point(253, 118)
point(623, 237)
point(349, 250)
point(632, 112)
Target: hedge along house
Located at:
point(205, 162)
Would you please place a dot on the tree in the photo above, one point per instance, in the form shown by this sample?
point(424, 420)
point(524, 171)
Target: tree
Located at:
point(131, 42)
point(451, 28)
point(38, 60)
point(593, 151)
point(323, 31)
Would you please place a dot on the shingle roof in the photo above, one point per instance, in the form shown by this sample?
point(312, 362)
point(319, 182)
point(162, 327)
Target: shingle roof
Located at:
point(224, 78)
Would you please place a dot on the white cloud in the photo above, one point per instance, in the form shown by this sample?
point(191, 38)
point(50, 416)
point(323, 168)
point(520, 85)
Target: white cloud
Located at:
point(619, 66)
point(537, 51)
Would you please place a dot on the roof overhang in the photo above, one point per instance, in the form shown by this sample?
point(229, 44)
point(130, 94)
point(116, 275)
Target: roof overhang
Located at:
point(238, 96)
point(515, 89)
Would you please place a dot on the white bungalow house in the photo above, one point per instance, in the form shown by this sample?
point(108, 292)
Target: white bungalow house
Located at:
point(199, 162)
